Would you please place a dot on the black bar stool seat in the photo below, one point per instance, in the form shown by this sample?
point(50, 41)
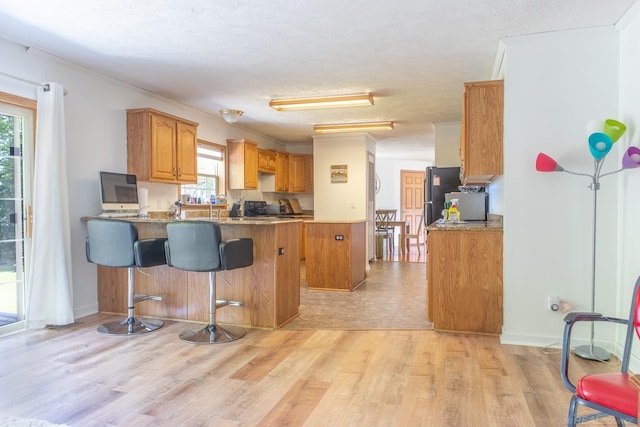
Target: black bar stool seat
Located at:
point(114, 243)
point(198, 246)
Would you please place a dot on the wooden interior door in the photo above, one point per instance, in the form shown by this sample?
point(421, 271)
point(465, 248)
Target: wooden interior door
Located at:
point(412, 197)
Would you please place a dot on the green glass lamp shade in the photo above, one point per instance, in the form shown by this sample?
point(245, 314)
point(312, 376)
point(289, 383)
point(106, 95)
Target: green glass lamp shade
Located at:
point(631, 158)
point(614, 129)
point(599, 145)
point(545, 163)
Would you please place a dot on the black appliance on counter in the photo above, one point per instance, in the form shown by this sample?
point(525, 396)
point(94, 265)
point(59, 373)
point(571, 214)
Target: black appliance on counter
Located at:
point(438, 181)
point(255, 208)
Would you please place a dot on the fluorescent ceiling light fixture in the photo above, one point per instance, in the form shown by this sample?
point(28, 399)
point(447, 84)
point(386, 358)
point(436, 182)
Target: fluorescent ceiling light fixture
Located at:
point(358, 100)
point(353, 127)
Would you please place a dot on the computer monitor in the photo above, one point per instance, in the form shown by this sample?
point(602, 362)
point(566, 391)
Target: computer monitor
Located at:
point(119, 191)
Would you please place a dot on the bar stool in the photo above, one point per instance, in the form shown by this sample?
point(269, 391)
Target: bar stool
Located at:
point(114, 243)
point(198, 246)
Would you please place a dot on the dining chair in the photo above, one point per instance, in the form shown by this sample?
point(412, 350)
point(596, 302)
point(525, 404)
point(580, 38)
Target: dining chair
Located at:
point(384, 229)
point(411, 236)
point(610, 394)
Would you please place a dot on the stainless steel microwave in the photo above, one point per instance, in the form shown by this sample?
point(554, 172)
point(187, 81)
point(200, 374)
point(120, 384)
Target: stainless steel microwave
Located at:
point(472, 206)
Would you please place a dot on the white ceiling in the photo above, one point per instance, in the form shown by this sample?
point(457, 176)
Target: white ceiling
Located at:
point(412, 55)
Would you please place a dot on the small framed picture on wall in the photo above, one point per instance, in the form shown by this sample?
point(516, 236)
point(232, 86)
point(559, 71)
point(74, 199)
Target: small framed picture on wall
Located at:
point(339, 173)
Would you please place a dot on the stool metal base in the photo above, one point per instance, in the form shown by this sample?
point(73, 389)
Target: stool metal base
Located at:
point(212, 334)
point(130, 326)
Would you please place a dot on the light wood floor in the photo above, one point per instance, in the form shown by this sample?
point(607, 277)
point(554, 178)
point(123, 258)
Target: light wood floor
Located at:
point(284, 377)
point(359, 374)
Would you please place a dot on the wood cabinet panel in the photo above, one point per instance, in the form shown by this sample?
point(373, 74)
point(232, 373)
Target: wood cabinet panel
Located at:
point(465, 281)
point(266, 161)
point(481, 145)
point(282, 172)
point(333, 264)
point(161, 147)
point(187, 152)
point(308, 173)
point(297, 177)
point(243, 164)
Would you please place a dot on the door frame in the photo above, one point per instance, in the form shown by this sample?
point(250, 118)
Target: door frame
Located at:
point(25, 108)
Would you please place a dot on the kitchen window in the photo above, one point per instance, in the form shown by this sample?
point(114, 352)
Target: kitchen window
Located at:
point(211, 174)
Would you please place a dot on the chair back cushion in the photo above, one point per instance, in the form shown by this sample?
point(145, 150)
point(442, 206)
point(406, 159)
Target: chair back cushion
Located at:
point(194, 245)
point(110, 243)
point(236, 253)
point(150, 252)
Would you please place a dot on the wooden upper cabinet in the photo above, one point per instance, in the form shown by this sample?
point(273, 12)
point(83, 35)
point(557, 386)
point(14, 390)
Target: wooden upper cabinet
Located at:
point(266, 161)
point(308, 173)
point(297, 178)
point(282, 172)
point(243, 164)
point(161, 147)
point(481, 146)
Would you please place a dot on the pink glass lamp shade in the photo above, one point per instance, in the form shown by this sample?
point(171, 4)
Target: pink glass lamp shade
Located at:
point(545, 163)
point(599, 145)
point(614, 129)
point(631, 158)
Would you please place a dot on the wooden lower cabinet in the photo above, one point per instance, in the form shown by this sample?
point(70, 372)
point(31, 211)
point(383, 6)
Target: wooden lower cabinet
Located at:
point(336, 255)
point(464, 271)
point(269, 289)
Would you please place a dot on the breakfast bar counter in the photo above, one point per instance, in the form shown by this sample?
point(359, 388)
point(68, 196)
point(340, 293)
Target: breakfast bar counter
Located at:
point(269, 289)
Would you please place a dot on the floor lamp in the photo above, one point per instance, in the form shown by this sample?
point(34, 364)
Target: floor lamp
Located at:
point(600, 144)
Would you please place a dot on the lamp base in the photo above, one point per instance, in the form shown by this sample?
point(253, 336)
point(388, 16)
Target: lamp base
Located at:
point(592, 352)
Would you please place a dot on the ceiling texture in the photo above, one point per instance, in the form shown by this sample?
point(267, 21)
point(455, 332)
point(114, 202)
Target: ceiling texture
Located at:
point(412, 55)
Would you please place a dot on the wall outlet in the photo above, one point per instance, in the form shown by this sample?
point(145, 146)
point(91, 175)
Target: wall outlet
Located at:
point(339, 236)
point(553, 303)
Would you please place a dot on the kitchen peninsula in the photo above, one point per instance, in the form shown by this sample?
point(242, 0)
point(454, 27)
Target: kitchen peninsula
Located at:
point(269, 289)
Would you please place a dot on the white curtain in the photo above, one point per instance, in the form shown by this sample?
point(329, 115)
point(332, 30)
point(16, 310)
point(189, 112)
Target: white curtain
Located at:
point(50, 293)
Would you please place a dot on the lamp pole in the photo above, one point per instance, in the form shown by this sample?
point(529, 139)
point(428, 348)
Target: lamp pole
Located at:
point(590, 351)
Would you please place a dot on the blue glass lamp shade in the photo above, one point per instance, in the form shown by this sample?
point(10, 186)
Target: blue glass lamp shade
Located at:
point(599, 145)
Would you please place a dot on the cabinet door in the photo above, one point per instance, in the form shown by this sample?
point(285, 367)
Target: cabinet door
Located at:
point(308, 174)
point(465, 280)
point(297, 166)
point(187, 146)
point(482, 129)
point(163, 157)
point(251, 166)
point(282, 172)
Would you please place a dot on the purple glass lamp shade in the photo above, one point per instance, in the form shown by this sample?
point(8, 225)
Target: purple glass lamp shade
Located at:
point(614, 129)
point(545, 163)
point(599, 145)
point(631, 158)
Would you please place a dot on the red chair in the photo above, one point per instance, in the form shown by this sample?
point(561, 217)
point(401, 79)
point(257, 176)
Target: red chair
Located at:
point(612, 394)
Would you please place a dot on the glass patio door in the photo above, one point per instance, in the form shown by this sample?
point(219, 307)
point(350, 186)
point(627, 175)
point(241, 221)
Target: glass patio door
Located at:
point(16, 147)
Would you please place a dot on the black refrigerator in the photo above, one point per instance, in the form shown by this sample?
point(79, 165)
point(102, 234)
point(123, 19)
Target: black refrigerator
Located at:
point(438, 182)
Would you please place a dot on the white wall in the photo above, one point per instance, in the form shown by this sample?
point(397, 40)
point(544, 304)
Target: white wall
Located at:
point(629, 206)
point(96, 140)
point(554, 84)
point(344, 200)
point(447, 137)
